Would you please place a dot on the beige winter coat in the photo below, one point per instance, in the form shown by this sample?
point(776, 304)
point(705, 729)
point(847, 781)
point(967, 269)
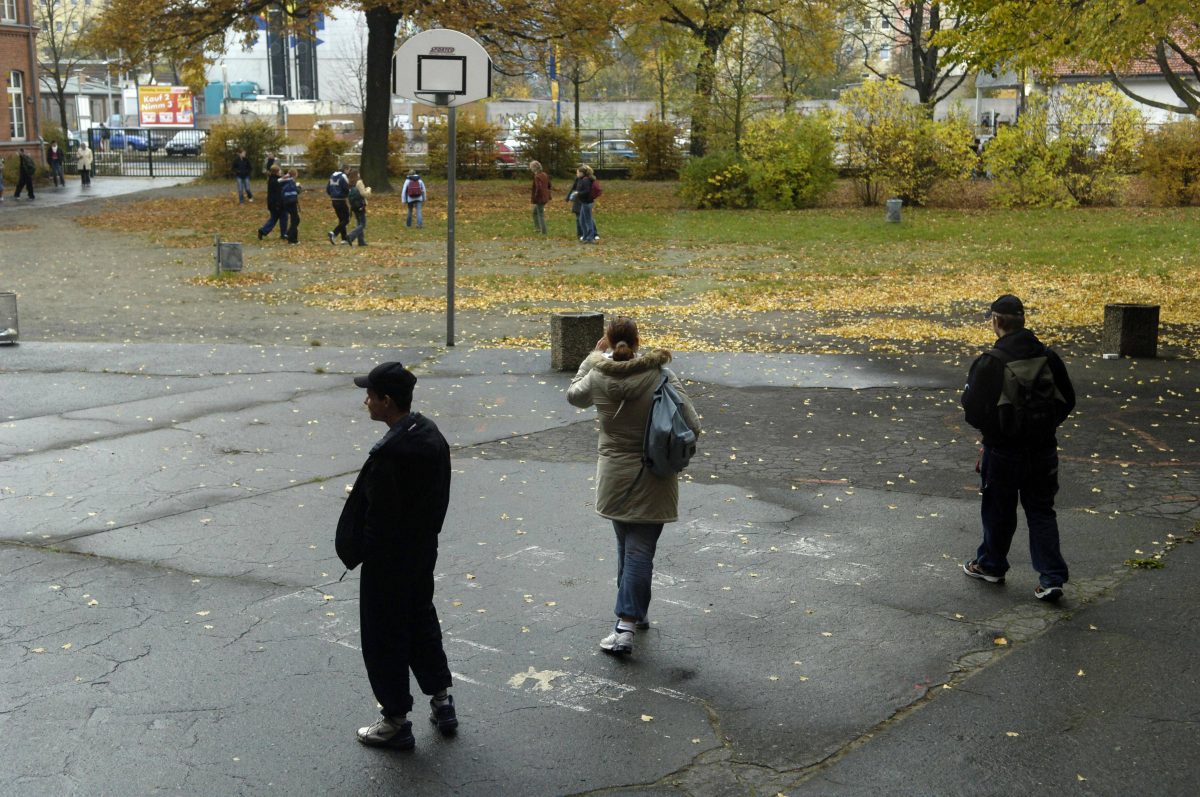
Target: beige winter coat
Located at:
point(84, 157)
point(622, 393)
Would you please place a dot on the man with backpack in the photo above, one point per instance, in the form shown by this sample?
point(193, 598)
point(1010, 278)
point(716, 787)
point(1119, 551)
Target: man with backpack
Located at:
point(1017, 394)
point(413, 192)
point(338, 189)
point(26, 169)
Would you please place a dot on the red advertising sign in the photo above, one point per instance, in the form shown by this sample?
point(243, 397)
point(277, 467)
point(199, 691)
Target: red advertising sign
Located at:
point(165, 106)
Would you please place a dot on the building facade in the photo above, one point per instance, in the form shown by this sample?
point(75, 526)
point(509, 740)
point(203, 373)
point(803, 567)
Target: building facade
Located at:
point(19, 120)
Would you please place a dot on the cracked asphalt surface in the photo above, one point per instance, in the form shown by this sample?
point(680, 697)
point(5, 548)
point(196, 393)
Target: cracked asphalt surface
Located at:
point(175, 619)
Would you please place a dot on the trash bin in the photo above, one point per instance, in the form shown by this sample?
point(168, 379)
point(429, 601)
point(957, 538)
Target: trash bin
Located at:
point(9, 329)
point(572, 337)
point(229, 256)
point(893, 210)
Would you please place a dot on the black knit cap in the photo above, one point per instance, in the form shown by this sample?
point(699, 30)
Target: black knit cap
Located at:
point(1008, 305)
point(391, 379)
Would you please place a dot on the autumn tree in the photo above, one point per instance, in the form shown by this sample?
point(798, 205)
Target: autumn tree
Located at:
point(62, 46)
point(801, 47)
point(912, 29)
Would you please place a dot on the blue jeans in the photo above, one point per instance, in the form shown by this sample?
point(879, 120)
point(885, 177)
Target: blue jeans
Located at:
point(56, 171)
point(587, 224)
point(1030, 476)
point(243, 187)
point(359, 232)
point(636, 543)
point(411, 205)
point(278, 214)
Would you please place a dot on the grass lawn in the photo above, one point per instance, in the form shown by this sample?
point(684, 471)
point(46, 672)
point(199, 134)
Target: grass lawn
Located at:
point(832, 279)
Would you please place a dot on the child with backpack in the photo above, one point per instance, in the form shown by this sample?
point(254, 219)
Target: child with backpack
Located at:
point(289, 196)
point(638, 493)
point(587, 191)
point(1017, 394)
point(413, 192)
point(358, 205)
point(338, 189)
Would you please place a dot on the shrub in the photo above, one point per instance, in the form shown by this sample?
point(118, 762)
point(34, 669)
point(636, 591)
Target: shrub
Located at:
point(324, 152)
point(1077, 147)
point(888, 141)
point(658, 156)
point(556, 147)
point(1171, 162)
point(257, 136)
point(52, 132)
point(719, 180)
point(476, 147)
point(397, 164)
point(789, 160)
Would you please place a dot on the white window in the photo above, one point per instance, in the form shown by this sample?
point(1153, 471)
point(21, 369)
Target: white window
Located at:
point(8, 10)
point(16, 105)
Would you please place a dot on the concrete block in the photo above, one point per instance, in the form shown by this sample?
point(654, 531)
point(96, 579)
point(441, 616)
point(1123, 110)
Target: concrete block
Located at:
point(572, 338)
point(1131, 330)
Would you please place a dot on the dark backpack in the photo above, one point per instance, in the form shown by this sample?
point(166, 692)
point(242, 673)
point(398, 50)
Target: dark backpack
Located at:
point(1026, 406)
point(357, 202)
point(289, 192)
point(670, 443)
point(596, 189)
point(414, 189)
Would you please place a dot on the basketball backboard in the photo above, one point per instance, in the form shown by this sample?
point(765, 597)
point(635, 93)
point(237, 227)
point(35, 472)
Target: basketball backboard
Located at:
point(442, 67)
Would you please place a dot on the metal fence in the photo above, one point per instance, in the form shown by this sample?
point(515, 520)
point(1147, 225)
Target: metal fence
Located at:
point(142, 152)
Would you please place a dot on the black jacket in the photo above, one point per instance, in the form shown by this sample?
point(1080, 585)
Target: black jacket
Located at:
point(273, 193)
point(985, 381)
point(241, 167)
point(399, 499)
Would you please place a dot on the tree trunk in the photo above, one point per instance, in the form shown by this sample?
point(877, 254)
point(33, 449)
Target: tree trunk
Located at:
point(706, 83)
point(381, 45)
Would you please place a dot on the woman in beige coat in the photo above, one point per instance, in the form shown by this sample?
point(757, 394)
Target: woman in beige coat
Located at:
point(620, 382)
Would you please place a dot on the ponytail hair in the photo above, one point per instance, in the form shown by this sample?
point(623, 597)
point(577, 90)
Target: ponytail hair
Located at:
point(622, 334)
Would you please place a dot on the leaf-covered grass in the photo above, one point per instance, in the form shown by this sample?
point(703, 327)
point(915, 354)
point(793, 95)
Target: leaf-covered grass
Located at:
point(758, 280)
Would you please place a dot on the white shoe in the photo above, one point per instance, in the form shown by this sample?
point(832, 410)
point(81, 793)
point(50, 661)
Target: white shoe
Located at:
point(619, 643)
point(388, 732)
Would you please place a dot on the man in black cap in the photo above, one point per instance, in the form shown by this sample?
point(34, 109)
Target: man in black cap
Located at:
point(390, 524)
point(1017, 394)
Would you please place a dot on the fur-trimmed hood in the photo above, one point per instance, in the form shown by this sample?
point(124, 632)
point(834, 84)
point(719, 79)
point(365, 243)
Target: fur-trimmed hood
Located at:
point(655, 358)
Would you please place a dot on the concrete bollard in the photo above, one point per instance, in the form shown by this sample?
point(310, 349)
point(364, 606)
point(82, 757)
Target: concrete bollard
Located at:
point(893, 210)
point(572, 337)
point(1131, 330)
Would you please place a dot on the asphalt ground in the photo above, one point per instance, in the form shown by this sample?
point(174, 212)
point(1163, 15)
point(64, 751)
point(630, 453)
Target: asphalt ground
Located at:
point(175, 619)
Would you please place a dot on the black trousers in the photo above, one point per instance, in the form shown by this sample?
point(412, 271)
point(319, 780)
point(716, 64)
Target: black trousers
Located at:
point(293, 224)
point(342, 208)
point(26, 181)
point(400, 630)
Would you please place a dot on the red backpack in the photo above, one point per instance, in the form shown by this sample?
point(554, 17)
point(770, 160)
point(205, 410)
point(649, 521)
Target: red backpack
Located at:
point(414, 189)
point(596, 189)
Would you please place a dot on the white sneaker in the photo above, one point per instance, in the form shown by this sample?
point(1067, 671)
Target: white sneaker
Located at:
point(619, 643)
point(388, 732)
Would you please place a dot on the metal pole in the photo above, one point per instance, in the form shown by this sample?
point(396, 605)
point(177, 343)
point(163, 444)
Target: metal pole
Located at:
point(451, 158)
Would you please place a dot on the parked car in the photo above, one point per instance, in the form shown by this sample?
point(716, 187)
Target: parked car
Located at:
point(505, 155)
point(609, 152)
point(186, 142)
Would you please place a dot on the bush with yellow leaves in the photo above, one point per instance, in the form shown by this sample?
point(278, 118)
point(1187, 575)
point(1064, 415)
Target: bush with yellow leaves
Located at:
point(1171, 163)
point(718, 180)
point(789, 160)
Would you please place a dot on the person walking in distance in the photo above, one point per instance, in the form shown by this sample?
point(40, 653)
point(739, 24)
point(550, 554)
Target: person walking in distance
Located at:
point(390, 524)
point(289, 195)
point(358, 206)
point(84, 159)
point(585, 192)
point(54, 159)
point(620, 381)
point(26, 168)
point(338, 189)
point(540, 197)
point(413, 192)
point(275, 205)
point(1017, 394)
point(241, 175)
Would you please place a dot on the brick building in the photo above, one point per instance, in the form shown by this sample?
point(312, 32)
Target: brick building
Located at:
point(19, 124)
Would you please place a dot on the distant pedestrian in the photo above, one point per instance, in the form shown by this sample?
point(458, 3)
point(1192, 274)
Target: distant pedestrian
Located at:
point(241, 174)
point(338, 189)
point(390, 524)
point(26, 168)
point(289, 195)
point(413, 192)
point(359, 193)
point(620, 382)
point(587, 207)
point(84, 160)
point(540, 196)
point(104, 135)
point(268, 162)
point(1017, 394)
point(274, 205)
point(576, 202)
point(54, 159)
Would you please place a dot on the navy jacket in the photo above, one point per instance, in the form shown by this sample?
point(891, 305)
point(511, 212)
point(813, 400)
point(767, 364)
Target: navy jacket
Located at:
point(986, 379)
point(399, 500)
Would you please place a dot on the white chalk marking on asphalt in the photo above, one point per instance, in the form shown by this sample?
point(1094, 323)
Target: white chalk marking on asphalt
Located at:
point(846, 574)
point(665, 692)
point(477, 645)
point(537, 553)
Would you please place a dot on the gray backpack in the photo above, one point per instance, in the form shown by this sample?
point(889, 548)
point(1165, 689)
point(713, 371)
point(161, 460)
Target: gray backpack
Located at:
point(1028, 397)
point(669, 444)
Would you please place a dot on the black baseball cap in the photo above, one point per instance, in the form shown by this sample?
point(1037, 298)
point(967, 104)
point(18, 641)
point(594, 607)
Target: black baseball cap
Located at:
point(391, 379)
point(1007, 305)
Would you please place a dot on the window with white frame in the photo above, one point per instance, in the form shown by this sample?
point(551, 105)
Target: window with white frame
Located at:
point(8, 10)
point(16, 105)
